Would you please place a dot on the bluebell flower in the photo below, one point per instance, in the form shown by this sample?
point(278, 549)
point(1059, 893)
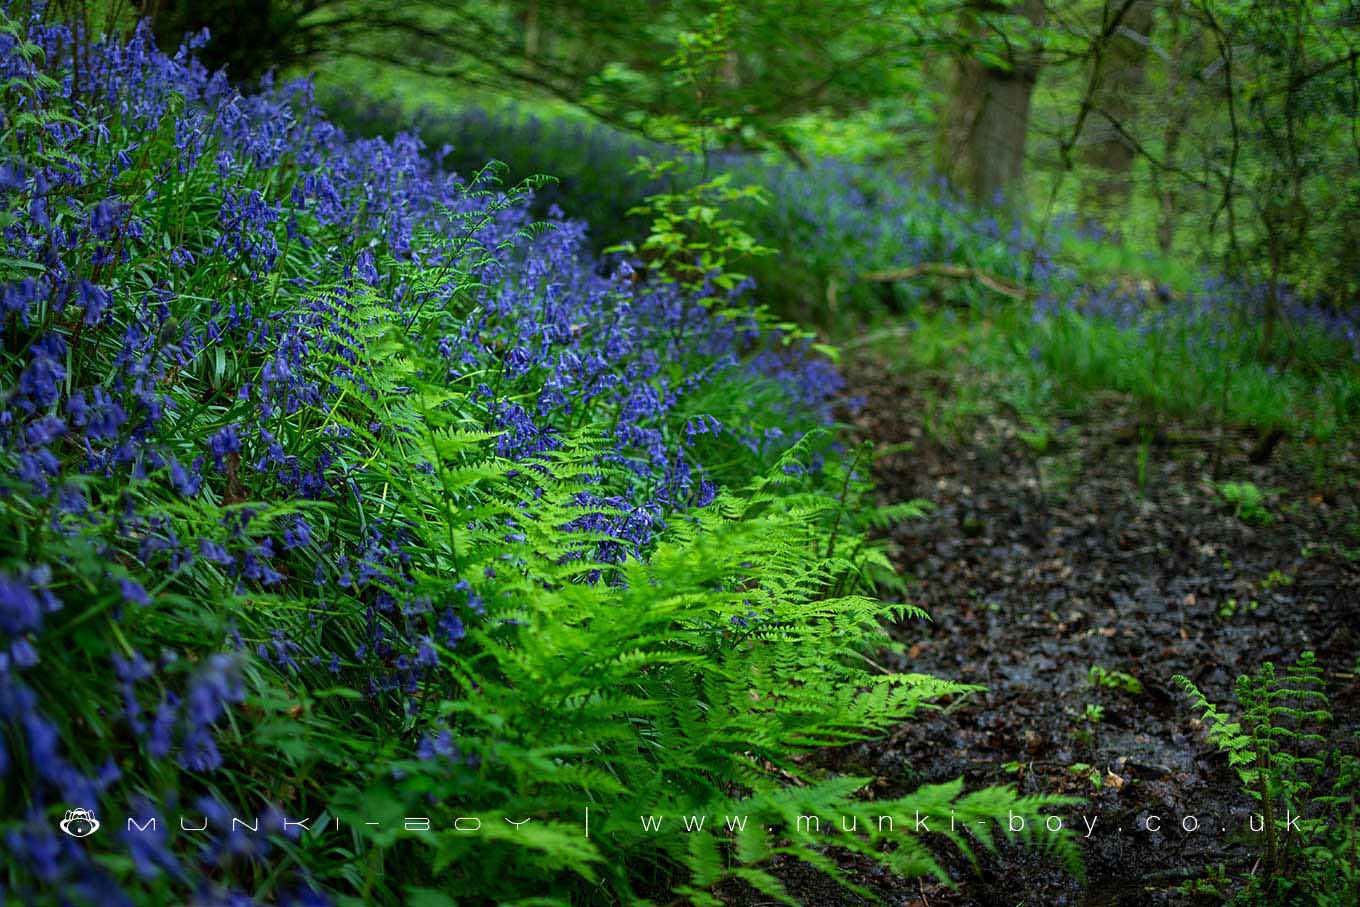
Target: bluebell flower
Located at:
point(23, 653)
point(106, 217)
point(20, 610)
point(439, 745)
point(160, 733)
point(148, 843)
point(304, 896)
point(23, 603)
point(223, 442)
point(45, 430)
point(426, 655)
point(46, 369)
point(216, 684)
point(451, 629)
point(279, 651)
point(94, 301)
point(198, 752)
point(186, 482)
point(13, 177)
point(37, 848)
point(133, 592)
point(297, 533)
point(214, 551)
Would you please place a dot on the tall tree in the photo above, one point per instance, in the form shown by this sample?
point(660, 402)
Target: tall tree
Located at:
point(981, 143)
point(1116, 86)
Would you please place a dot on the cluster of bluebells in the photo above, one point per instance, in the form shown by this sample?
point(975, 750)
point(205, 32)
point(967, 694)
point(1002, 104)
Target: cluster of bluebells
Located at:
point(185, 271)
point(182, 725)
point(842, 218)
point(1210, 317)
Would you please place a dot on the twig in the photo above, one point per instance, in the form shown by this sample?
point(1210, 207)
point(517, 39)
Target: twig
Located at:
point(960, 272)
point(900, 330)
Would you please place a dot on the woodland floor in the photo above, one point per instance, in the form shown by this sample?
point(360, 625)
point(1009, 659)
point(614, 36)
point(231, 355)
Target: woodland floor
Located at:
point(1035, 569)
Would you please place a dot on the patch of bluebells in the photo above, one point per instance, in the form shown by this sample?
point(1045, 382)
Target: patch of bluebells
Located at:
point(853, 219)
point(173, 307)
point(846, 219)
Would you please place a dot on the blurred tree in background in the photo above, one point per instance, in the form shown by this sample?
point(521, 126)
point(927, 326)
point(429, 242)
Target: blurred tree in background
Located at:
point(784, 59)
point(1116, 88)
point(983, 128)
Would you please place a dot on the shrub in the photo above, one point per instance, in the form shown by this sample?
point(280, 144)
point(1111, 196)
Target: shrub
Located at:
point(338, 490)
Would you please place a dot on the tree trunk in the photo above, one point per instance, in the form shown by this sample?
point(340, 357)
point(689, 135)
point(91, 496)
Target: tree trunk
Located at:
point(1178, 100)
point(1117, 85)
point(531, 32)
point(981, 143)
point(1167, 191)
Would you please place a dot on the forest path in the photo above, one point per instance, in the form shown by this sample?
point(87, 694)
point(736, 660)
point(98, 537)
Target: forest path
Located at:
point(1037, 568)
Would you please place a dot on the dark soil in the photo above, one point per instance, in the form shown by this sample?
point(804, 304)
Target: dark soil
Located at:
point(1034, 569)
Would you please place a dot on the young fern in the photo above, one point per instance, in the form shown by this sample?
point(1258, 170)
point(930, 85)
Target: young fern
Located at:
point(1279, 752)
point(685, 684)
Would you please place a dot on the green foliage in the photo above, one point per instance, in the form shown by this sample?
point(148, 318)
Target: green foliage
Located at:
point(1248, 502)
point(1186, 350)
point(998, 350)
point(1119, 681)
point(1277, 747)
point(1178, 368)
point(692, 239)
point(687, 679)
point(685, 685)
point(781, 63)
point(1088, 773)
point(1277, 579)
point(1232, 606)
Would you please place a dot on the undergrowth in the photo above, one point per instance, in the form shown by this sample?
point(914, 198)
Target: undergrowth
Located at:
point(1038, 366)
point(342, 496)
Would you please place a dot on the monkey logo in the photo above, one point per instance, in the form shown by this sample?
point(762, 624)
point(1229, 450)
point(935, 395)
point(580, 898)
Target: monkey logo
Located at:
point(79, 823)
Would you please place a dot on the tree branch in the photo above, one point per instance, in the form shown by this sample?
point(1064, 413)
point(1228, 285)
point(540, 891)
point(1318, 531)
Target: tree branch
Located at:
point(959, 272)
